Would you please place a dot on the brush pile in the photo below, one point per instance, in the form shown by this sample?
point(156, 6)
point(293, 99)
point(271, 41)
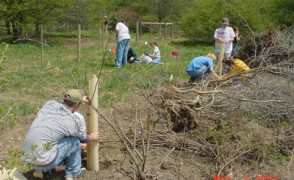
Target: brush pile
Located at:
point(244, 128)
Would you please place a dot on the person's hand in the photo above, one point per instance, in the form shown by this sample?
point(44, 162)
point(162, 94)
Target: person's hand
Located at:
point(220, 40)
point(94, 137)
point(86, 99)
point(83, 146)
point(218, 77)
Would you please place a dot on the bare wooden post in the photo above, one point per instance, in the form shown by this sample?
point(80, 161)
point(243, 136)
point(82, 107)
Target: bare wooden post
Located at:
point(66, 28)
point(92, 125)
point(137, 32)
point(150, 30)
point(42, 47)
point(221, 57)
point(172, 31)
point(140, 28)
point(79, 43)
point(165, 30)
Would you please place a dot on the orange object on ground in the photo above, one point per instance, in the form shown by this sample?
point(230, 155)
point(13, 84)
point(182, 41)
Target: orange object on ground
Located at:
point(112, 50)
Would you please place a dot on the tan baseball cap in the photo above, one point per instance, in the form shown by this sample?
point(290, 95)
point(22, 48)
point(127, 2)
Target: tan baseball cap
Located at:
point(225, 21)
point(74, 95)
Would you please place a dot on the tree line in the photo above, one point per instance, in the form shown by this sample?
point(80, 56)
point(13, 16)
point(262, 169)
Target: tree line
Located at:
point(197, 18)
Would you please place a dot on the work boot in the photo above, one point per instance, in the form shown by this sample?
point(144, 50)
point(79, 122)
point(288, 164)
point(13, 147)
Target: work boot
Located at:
point(38, 174)
point(82, 172)
point(192, 79)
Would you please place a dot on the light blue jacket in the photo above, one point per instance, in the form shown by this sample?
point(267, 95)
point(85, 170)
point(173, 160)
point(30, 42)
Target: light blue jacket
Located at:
point(53, 123)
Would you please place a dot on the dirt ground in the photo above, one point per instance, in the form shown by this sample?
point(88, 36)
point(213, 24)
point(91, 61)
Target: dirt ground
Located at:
point(114, 162)
point(162, 163)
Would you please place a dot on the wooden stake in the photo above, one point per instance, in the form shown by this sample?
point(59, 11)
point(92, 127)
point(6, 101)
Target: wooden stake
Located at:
point(79, 43)
point(134, 143)
point(137, 31)
point(92, 125)
point(165, 30)
point(66, 28)
point(221, 57)
point(149, 130)
point(172, 31)
point(42, 47)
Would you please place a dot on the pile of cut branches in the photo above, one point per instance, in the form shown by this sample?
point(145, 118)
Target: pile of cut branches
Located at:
point(271, 48)
point(231, 127)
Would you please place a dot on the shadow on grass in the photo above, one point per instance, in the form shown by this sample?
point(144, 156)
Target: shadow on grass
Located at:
point(109, 64)
point(64, 35)
point(188, 43)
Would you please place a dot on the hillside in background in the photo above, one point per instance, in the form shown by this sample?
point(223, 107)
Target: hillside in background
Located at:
point(197, 19)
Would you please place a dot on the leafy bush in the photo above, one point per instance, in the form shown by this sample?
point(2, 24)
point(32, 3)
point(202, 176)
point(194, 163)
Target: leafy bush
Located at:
point(200, 22)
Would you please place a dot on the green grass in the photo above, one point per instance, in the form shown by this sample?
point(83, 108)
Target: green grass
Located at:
point(24, 77)
point(26, 82)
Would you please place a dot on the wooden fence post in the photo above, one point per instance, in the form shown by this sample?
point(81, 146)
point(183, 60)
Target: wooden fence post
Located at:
point(66, 28)
point(92, 124)
point(137, 32)
point(165, 30)
point(79, 43)
point(172, 31)
point(42, 47)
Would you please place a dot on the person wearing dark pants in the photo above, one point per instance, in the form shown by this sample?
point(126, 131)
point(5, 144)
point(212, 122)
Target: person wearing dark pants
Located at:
point(200, 67)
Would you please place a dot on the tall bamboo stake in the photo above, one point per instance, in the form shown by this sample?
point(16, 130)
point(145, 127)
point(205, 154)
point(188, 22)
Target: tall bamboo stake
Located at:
point(92, 124)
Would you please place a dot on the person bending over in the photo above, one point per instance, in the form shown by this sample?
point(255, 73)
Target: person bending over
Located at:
point(123, 41)
point(236, 66)
point(200, 67)
point(55, 135)
point(132, 56)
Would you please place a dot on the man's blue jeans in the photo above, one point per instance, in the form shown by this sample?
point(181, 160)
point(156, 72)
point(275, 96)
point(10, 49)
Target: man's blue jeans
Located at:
point(122, 52)
point(69, 151)
point(199, 72)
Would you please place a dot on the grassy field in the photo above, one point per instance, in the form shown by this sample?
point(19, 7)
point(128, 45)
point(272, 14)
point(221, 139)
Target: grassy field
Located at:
point(27, 80)
point(242, 122)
